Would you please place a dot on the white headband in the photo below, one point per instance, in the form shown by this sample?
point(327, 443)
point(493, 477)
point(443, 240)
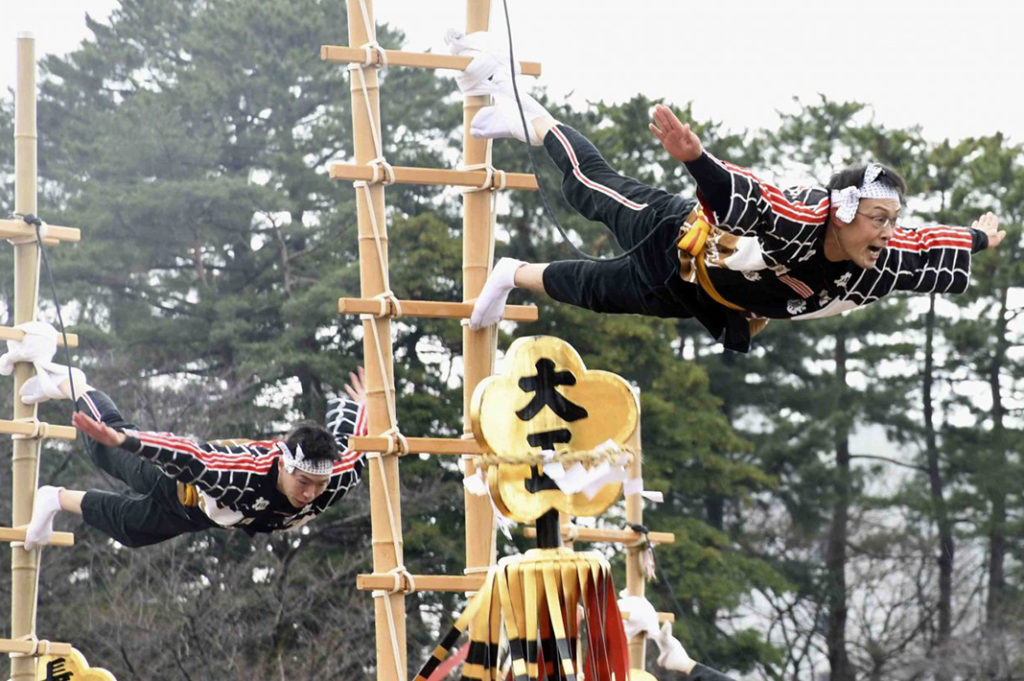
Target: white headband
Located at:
point(298, 460)
point(849, 198)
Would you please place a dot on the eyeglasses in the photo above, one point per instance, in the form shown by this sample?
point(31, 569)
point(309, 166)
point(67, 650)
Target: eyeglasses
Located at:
point(881, 222)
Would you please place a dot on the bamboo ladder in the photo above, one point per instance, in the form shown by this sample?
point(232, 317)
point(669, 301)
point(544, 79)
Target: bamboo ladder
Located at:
point(25, 429)
point(377, 306)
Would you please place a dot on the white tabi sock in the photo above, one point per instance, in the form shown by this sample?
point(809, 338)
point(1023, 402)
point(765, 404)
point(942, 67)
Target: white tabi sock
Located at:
point(45, 508)
point(490, 305)
point(490, 64)
point(46, 384)
point(673, 655)
point(39, 345)
point(502, 120)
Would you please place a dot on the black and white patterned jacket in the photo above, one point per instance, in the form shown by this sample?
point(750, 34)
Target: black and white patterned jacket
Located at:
point(779, 269)
point(237, 480)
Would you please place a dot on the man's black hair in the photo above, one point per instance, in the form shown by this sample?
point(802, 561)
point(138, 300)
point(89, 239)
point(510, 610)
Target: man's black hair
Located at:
point(318, 444)
point(854, 177)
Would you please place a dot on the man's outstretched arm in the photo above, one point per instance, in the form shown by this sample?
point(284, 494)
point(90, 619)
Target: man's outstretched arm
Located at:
point(682, 144)
point(738, 200)
point(97, 430)
point(937, 259)
point(221, 471)
point(347, 417)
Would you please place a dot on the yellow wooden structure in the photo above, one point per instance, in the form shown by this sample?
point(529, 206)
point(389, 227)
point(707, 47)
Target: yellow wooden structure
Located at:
point(378, 305)
point(27, 432)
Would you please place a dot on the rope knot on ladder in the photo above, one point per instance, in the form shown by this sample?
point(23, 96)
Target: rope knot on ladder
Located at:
point(383, 173)
point(397, 443)
point(39, 646)
point(404, 583)
point(374, 56)
point(39, 430)
point(494, 179)
point(371, 44)
point(390, 306)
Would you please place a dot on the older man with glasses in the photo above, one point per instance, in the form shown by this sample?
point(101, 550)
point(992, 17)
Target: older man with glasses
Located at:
point(742, 252)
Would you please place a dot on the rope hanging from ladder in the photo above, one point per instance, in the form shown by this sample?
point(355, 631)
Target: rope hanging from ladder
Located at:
point(384, 174)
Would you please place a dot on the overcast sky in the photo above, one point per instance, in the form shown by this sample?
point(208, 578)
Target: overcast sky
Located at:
point(954, 67)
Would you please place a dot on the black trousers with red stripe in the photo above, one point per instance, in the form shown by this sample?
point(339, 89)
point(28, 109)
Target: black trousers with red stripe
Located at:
point(150, 512)
point(647, 281)
point(637, 284)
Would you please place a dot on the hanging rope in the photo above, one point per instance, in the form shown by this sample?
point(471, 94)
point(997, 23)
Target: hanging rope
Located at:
point(397, 443)
point(404, 583)
point(383, 173)
point(494, 181)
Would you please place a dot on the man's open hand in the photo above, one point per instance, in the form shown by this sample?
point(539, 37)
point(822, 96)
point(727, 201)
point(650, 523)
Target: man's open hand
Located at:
point(100, 432)
point(677, 138)
point(356, 387)
point(989, 224)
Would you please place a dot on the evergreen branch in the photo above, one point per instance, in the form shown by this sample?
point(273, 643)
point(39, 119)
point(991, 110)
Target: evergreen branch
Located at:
point(888, 460)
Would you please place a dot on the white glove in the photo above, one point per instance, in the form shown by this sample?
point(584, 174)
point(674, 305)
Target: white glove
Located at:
point(38, 346)
point(642, 616)
point(673, 655)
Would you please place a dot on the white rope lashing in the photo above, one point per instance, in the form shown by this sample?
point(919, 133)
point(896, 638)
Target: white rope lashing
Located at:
point(383, 173)
point(39, 646)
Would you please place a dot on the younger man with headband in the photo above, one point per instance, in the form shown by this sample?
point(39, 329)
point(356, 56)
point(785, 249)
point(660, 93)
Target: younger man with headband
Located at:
point(741, 253)
point(179, 485)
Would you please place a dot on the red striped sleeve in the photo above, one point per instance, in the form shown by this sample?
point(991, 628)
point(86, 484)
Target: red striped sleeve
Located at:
point(794, 210)
point(931, 237)
point(214, 460)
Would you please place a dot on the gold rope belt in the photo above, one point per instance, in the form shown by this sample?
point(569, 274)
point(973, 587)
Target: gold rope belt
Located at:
point(694, 234)
point(693, 237)
point(188, 495)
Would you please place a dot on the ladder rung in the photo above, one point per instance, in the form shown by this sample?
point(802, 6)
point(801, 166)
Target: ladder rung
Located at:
point(419, 445)
point(453, 583)
point(10, 645)
point(435, 176)
point(11, 333)
point(432, 309)
point(18, 534)
point(16, 229)
point(372, 582)
point(426, 60)
point(48, 241)
point(607, 534)
point(662, 616)
point(45, 430)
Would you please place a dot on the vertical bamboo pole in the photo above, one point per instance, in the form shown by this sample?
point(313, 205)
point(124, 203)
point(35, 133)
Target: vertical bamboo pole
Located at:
point(478, 346)
point(373, 275)
point(25, 466)
point(565, 519)
point(635, 584)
